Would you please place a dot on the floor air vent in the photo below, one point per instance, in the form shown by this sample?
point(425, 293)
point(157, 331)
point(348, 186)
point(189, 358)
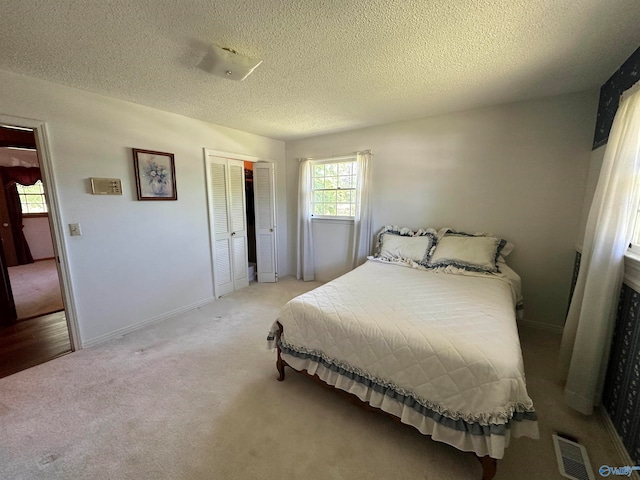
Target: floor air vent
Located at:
point(573, 461)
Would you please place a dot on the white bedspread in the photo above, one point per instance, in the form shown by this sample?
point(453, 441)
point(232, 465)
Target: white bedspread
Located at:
point(441, 351)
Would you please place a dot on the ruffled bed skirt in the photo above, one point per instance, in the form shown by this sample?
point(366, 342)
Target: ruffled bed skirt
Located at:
point(489, 444)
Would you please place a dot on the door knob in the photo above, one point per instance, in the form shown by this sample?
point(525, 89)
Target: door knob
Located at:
point(233, 233)
point(5, 224)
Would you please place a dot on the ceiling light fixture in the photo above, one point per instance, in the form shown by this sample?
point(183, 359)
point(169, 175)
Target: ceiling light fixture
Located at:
point(227, 63)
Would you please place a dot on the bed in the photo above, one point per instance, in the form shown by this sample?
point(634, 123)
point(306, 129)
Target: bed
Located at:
point(425, 332)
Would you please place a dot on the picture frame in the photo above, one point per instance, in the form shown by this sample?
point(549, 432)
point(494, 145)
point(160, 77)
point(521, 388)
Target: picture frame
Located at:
point(155, 175)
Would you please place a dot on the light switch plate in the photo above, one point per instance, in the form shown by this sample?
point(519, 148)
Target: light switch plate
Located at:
point(74, 230)
point(106, 186)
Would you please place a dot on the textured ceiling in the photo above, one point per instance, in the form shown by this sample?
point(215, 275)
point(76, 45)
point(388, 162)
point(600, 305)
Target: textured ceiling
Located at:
point(328, 65)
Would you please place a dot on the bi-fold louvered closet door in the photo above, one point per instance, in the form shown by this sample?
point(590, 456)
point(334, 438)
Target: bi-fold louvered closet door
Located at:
point(228, 223)
point(264, 196)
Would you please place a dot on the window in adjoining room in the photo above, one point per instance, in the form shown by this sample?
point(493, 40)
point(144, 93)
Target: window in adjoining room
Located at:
point(32, 199)
point(333, 188)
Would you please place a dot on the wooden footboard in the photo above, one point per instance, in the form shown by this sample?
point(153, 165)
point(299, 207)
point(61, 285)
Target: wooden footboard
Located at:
point(489, 465)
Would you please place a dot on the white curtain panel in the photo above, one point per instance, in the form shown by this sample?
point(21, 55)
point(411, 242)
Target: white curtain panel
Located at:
point(362, 232)
point(587, 334)
point(305, 259)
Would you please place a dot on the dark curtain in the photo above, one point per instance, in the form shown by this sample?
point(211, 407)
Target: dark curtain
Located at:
point(22, 175)
point(10, 177)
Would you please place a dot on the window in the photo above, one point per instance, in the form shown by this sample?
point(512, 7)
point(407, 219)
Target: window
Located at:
point(634, 246)
point(333, 188)
point(32, 198)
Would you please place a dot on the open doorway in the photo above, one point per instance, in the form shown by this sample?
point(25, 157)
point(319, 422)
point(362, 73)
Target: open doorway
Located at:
point(251, 219)
point(33, 322)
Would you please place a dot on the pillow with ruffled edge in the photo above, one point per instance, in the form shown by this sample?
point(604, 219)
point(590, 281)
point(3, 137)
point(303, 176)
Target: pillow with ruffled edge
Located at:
point(508, 247)
point(470, 252)
point(397, 244)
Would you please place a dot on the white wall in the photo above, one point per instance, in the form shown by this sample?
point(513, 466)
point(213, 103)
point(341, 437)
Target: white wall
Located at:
point(38, 234)
point(332, 239)
point(136, 260)
point(518, 171)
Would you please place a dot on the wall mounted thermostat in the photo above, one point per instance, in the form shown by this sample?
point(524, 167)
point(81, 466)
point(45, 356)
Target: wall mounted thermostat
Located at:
point(106, 186)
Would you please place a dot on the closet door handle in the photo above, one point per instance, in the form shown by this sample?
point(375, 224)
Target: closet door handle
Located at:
point(233, 233)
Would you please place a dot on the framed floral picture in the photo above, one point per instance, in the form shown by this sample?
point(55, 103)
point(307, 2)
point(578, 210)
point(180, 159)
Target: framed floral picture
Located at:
point(155, 175)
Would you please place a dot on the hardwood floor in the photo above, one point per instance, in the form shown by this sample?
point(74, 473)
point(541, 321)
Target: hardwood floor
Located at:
point(31, 342)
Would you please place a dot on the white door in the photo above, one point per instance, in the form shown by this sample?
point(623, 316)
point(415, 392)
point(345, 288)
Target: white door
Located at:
point(228, 224)
point(238, 220)
point(264, 198)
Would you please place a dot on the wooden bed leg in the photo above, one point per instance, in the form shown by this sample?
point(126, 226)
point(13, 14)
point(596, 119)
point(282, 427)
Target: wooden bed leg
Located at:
point(280, 366)
point(280, 363)
point(489, 467)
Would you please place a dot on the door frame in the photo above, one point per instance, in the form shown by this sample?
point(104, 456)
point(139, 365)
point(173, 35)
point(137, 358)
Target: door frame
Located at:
point(232, 156)
point(55, 222)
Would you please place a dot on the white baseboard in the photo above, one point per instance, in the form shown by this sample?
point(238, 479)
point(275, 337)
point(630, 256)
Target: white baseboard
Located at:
point(542, 326)
point(617, 442)
point(137, 326)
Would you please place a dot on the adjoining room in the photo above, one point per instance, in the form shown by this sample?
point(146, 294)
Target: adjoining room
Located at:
point(34, 327)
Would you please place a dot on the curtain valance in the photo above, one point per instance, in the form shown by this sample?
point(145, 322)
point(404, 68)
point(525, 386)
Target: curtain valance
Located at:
point(21, 175)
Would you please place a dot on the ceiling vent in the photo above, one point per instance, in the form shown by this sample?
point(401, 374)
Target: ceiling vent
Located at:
point(573, 461)
point(227, 63)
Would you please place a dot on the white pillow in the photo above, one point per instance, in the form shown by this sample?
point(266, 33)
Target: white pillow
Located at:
point(506, 250)
point(403, 244)
point(467, 252)
point(398, 247)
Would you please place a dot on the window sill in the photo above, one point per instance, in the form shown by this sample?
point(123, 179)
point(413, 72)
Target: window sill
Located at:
point(340, 220)
point(632, 270)
point(34, 215)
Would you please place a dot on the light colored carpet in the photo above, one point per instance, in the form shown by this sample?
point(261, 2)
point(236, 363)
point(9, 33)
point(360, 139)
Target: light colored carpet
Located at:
point(196, 397)
point(36, 289)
